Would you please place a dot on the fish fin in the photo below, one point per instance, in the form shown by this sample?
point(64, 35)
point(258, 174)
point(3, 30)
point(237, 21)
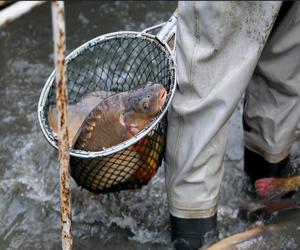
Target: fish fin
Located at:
point(74, 140)
point(149, 159)
point(52, 119)
point(141, 145)
point(122, 120)
point(134, 129)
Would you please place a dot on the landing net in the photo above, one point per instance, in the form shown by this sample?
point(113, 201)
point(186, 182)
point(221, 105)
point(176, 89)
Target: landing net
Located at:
point(115, 62)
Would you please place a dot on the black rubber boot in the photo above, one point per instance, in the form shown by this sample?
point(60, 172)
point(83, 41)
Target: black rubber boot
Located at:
point(191, 234)
point(256, 167)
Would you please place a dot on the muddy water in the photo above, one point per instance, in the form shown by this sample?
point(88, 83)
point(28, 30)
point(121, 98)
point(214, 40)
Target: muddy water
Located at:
point(29, 190)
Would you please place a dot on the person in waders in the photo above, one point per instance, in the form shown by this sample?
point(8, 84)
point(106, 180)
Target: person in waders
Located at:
point(223, 50)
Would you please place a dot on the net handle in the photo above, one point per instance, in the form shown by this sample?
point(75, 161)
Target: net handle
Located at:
point(167, 31)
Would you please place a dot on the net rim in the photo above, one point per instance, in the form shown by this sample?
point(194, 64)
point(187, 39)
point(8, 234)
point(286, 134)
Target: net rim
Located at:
point(76, 52)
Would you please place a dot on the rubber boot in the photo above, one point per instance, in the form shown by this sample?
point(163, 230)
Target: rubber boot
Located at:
point(191, 234)
point(256, 167)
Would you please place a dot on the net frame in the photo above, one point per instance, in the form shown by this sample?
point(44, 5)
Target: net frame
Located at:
point(50, 81)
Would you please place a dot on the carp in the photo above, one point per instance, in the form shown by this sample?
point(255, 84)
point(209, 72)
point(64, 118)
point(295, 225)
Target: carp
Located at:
point(264, 209)
point(100, 120)
point(108, 118)
point(119, 117)
point(284, 223)
point(277, 187)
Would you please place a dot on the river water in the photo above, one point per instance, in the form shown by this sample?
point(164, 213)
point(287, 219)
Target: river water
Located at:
point(29, 181)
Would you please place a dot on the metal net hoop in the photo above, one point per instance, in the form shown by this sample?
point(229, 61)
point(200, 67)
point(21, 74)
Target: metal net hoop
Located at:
point(115, 62)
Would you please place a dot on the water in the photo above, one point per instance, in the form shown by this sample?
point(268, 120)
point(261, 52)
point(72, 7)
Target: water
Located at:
point(29, 181)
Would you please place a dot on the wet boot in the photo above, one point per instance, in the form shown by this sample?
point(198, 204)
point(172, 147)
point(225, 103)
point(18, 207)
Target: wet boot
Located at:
point(192, 234)
point(257, 167)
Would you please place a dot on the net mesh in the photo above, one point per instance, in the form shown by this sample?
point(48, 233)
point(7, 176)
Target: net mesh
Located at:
point(117, 63)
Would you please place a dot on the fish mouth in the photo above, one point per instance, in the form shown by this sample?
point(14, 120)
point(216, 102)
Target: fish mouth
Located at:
point(162, 98)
